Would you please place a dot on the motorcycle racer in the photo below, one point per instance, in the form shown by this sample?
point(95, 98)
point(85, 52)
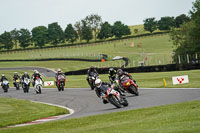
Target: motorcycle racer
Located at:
point(112, 75)
point(35, 76)
point(15, 77)
point(101, 88)
point(59, 72)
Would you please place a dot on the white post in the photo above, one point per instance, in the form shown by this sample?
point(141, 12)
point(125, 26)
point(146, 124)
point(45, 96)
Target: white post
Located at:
point(179, 59)
point(188, 61)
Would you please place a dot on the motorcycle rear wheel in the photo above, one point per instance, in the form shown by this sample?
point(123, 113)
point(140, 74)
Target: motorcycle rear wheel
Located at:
point(133, 90)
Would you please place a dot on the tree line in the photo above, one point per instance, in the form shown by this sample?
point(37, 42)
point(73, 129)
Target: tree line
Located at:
point(91, 27)
point(165, 23)
point(186, 39)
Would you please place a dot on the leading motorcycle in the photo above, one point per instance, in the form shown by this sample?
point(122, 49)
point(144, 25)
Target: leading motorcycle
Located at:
point(112, 96)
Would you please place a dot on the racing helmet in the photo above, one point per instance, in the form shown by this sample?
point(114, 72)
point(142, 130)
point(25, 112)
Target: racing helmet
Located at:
point(91, 67)
point(25, 73)
point(111, 70)
point(36, 72)
point(59, 70)
point(98, 83)
point(15, 73)
point(3, 75)
point(119, 72)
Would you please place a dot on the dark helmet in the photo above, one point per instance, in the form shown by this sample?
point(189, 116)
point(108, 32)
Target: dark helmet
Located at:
point(119, 72)
point(111, 70)
point(92, 68)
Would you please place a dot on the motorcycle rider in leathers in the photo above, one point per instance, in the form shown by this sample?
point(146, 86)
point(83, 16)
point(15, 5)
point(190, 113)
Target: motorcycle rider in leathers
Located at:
point(35, 76)
point(59, 72)
point(120, 73)
point(112, 75)
point(3, 77)
point(25, 76)
point(15, 77)
point(92, 69)
point(101, 88)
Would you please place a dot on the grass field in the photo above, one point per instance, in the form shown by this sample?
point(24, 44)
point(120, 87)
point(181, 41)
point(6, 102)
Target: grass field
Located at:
point(13, 111)
point(137, 49)
point(177, 118)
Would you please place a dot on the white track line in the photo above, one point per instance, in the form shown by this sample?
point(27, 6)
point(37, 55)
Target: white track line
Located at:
point(42, 120)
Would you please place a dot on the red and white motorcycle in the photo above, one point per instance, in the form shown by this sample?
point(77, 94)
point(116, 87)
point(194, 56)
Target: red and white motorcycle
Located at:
point(115, 98)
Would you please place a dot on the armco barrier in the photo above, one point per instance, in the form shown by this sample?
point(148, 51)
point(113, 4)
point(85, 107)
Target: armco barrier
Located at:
point(159, 68)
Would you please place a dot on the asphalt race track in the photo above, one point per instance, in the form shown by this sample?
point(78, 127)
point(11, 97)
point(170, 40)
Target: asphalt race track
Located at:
point(44, 71)
point(85, 102)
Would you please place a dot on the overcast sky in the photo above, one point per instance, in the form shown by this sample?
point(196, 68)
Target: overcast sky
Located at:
point(31, 13)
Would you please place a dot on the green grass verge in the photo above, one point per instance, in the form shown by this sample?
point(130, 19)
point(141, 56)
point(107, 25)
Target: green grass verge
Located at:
point(176, 118)
point(15, 111)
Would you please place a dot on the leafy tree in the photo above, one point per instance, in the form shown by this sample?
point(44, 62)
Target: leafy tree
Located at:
point(150, 24)
point(119, 29)
point(106, 31)
point(55, 33)
point(24, 38)
point(186, 38)
point(181, 19)
point(40, 36)
point(165, 23)
point(78, 29)
point(86, 31)
point(70, 33)
point(94, 22)
point(6, 40)
point(15, 35)
point(1, 46)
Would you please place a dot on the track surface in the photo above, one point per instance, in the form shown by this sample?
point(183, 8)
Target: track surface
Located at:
point(85, 102)
point(44, 71)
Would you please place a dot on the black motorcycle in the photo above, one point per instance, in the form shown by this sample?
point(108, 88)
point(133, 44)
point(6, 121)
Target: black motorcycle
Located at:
point(93, 76)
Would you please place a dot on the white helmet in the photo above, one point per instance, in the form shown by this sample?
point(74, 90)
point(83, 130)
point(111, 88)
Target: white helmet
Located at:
point(98, 83)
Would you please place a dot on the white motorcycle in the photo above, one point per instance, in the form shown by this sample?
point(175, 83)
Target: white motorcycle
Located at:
point(26, 85)
point(38, 86)
point(5, 85)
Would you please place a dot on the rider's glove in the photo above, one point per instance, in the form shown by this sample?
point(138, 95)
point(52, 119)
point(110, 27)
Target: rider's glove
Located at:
point(103, 96)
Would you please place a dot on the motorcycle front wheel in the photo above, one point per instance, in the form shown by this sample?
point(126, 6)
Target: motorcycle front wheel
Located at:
point(115, 101)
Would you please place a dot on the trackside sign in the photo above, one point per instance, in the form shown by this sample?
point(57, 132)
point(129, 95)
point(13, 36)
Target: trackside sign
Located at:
point(48, 83)
point(180, 79)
